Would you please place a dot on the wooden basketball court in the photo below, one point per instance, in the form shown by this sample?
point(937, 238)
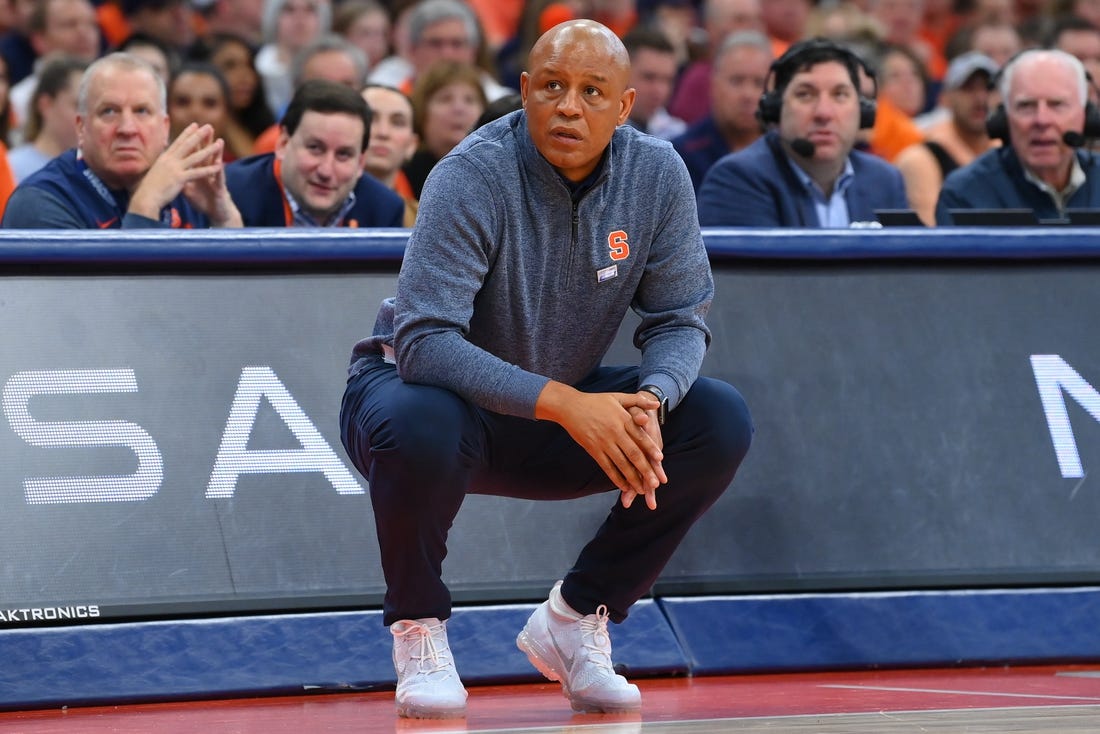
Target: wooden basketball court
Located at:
point(1063, 699)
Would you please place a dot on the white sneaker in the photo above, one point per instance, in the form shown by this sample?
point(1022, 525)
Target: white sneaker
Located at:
point(428, 686)
point(576, 650)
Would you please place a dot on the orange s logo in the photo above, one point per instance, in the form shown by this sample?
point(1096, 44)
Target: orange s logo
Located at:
point(616, 242)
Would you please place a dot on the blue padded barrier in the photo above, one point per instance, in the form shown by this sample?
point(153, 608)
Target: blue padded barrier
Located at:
point(903, 242)
point(256, 247)
point(278, 654)
point(886, 629)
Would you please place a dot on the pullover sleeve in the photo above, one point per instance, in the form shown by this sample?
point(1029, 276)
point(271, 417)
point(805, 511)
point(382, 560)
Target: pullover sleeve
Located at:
point(674, 295)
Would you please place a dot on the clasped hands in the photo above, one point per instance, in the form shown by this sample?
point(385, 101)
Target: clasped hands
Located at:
point(192, 164)
point(618, 430)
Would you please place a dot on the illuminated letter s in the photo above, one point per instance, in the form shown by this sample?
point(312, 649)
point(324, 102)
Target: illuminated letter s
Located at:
point(140, 485)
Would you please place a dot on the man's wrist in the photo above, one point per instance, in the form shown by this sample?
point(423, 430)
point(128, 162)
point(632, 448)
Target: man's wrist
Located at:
point(662, 409)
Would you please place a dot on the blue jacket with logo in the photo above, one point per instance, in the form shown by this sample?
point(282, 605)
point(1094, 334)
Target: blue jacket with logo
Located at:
point(63, 195)
point(258, 194)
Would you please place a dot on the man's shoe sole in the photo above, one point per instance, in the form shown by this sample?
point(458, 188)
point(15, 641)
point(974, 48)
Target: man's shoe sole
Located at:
point(412, 711)
point(540, 659)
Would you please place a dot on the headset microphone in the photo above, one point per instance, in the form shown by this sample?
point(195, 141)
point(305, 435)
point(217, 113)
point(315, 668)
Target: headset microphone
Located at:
point(804, 147)
point(1073, 139)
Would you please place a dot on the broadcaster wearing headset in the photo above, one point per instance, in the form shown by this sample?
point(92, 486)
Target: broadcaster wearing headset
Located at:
point(804, 172)
point(1044, 118)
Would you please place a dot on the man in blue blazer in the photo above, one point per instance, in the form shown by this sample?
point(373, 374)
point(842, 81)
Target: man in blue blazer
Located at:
point(315, 176)
point(804, 171)
point(1045, 118)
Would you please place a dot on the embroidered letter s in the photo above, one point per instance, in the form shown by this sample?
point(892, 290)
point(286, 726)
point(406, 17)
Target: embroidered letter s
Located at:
point(616, 242)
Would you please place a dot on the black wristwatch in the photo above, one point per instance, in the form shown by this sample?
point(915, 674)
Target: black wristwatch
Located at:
point(662, 410)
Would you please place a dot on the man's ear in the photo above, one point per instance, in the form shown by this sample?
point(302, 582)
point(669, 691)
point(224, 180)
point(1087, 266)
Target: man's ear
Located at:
point(282, 141)
point(626, 104)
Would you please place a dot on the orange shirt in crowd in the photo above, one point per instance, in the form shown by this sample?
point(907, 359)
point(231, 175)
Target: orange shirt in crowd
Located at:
point(894, 131)
point(499, 19)
point(7, 180)
point(265, 141)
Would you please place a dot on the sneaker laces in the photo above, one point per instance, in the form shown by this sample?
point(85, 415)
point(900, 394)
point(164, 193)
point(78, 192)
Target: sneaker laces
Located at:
point(430, 657)
point(596, 640)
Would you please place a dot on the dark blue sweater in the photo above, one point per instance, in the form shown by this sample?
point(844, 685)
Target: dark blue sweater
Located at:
point(995, 180)
point(61, 195)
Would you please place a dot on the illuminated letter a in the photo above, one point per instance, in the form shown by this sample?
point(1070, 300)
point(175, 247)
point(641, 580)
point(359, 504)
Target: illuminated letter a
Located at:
point(234, 457)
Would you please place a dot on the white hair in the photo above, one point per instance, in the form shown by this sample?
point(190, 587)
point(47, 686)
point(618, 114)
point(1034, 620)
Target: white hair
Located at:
point(1067, 60)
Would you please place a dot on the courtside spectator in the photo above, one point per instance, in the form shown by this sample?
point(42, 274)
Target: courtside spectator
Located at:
point(160, 57)
point(998, 41)
point(447, 102)
point(57, 28)
point(1044, 118)
point(804, 172)
point(902, 79)
point(51, 121)
point(392, 142)
point(738, 74)
point(1087, 9)
point(786, 21)
point(171, 22)
point(895, 129)
point(902, 22)
point(315, 176)
point(366, 24)
point(446, 30)
point(691, 100)
point(123, 172)
point(954, 141)
point(652, 75)
point(289, 26)
point(330, 57)
point(7, 180)
point(243, 18)
point(1080, 38)
point(249, 115)
point(15, 45)
point(679, 21)
point(198, 93)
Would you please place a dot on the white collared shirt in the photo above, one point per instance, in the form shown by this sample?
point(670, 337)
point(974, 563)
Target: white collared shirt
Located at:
point(1077, 179)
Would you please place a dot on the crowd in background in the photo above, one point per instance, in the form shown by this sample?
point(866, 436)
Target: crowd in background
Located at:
point(432, 70)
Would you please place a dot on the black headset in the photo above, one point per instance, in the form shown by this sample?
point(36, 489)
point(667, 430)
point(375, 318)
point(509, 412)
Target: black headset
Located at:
point(811, 52)
point(996, 125)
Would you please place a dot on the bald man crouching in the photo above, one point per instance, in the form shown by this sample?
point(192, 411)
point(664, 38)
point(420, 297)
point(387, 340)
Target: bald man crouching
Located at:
point(484, 374)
